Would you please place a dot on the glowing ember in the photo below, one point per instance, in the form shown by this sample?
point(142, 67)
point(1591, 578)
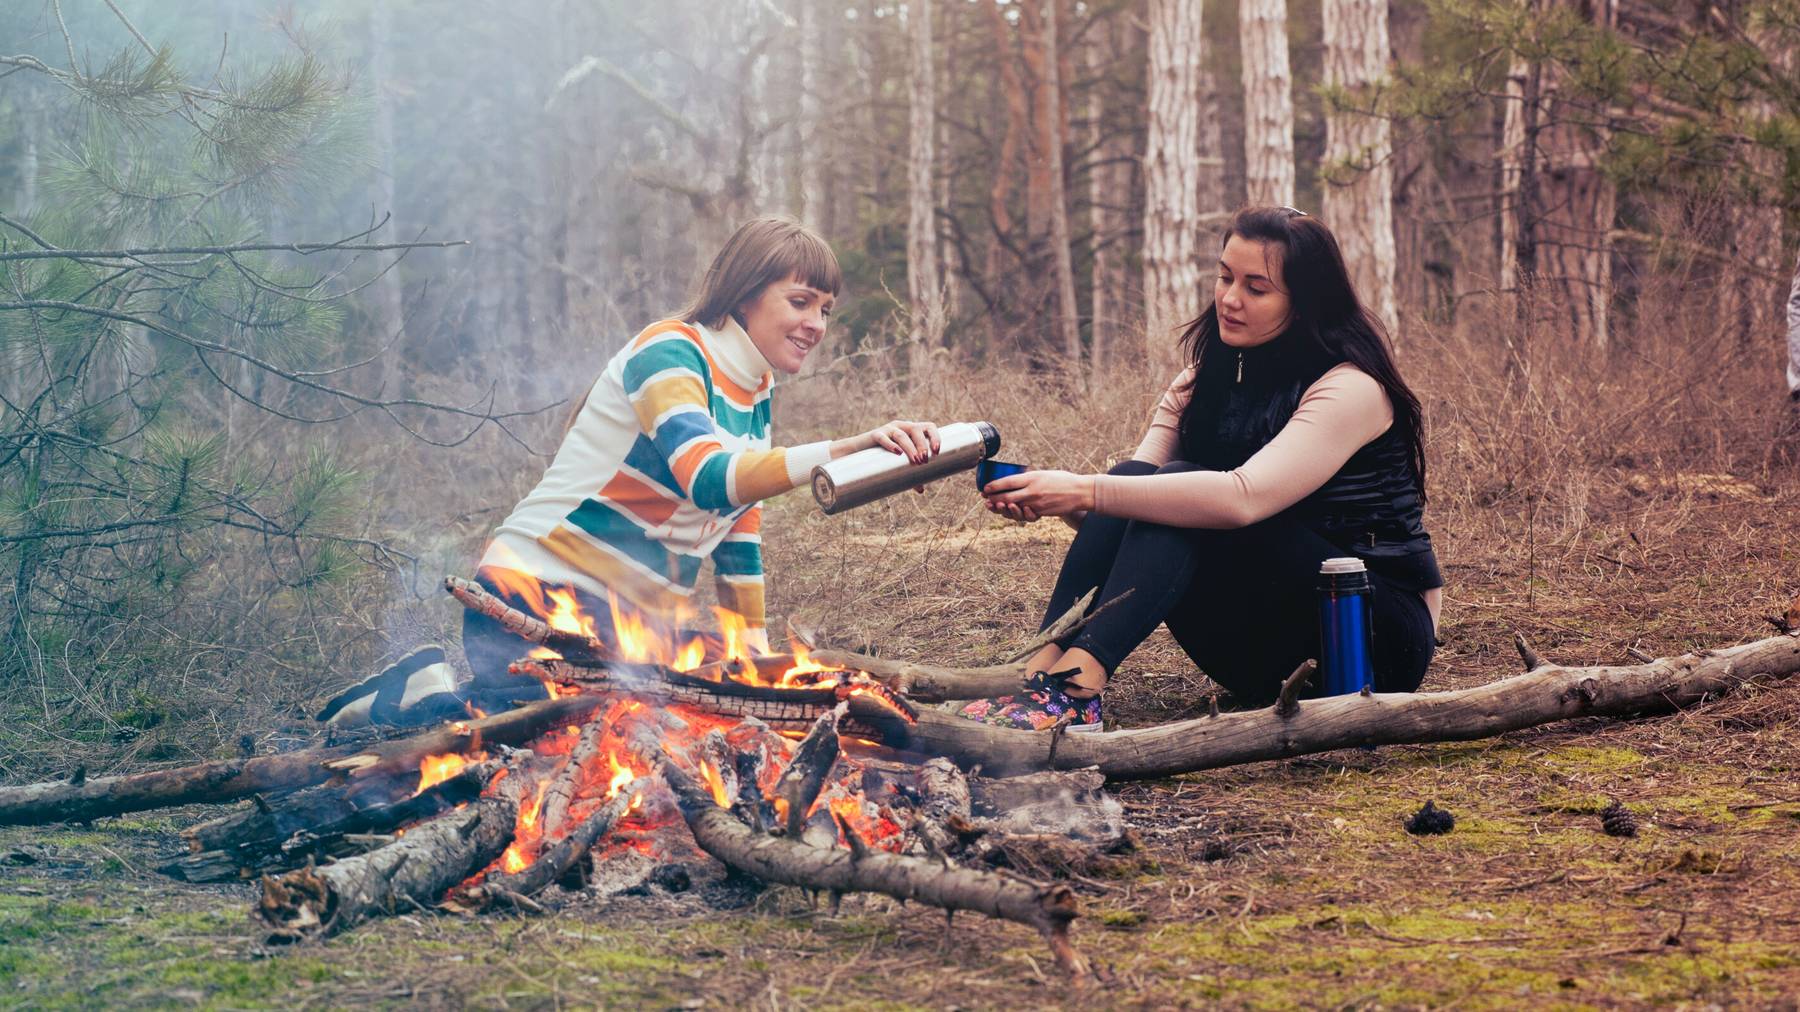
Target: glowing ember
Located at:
point(715, 784)
point(526, 835)
point(435, 769)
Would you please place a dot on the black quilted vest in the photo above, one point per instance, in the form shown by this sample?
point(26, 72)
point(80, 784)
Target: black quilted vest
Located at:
point(1370, 508)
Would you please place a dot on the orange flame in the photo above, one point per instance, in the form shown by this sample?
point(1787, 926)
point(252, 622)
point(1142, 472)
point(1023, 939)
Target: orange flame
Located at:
point(566, 615)
point(435, 769)
point(526, 835)
point(736, 631)
point(691, 656)
point(636, 643)
point(803, 665)
point(621, 776)
point(715, 784)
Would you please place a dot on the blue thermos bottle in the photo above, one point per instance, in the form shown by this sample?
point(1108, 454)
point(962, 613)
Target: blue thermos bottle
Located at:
point(1346, 627)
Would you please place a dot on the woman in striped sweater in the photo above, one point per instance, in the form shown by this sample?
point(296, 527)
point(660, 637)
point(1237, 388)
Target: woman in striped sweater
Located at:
point(667, 459)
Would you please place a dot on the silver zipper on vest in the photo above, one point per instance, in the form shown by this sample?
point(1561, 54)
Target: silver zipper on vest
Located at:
point(1240, 378)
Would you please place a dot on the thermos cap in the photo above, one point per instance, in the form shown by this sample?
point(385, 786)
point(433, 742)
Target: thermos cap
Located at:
point(1337, 567)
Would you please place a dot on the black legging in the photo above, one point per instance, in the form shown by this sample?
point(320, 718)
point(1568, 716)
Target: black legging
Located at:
point(1243, 603)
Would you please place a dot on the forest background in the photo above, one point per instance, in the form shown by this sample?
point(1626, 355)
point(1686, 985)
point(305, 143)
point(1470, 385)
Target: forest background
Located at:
point(230, 477)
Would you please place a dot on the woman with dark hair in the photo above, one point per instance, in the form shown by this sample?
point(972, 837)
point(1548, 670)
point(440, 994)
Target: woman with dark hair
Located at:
point(1290, 439)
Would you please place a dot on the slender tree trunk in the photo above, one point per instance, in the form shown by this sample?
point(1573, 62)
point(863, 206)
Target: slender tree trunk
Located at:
point(812, 165)
point(1576, 209)
point(1359, 183)
point(1268, 102)
point(1753, 294)
point(923, 283)
point(1102, 299)
point(1171, 174)
point(1054, 121)
point(1008, 168)
point(388, 297)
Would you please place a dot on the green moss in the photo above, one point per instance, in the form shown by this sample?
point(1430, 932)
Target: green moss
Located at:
point(1119, 919)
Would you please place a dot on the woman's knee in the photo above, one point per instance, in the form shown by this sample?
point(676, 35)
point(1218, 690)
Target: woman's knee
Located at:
point(1132, 468)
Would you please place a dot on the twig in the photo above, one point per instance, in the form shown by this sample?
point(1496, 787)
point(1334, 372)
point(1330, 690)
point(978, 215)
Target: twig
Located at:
point(1288, 702)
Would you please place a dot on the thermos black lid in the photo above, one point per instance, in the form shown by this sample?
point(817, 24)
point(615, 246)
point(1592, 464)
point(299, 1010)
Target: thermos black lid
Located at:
point(990, 438)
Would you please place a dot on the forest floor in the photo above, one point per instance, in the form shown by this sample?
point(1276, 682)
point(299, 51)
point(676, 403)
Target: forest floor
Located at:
point(1277, 884)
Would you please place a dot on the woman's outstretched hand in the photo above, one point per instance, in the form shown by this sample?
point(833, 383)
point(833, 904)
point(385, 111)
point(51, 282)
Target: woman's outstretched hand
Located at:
point(917, 440)
point(1037, 494)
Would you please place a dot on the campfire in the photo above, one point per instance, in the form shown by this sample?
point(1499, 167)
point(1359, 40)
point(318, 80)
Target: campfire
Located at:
point(653, 753)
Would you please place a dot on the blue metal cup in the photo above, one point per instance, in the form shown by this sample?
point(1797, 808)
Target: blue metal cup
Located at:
point(1346, 627)
point(988, 470)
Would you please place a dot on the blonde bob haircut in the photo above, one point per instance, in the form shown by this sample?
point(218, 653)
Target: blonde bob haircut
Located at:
point(760, 253)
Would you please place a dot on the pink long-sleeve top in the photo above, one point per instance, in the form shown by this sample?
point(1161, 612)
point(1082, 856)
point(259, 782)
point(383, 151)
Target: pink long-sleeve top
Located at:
point(1341, 412)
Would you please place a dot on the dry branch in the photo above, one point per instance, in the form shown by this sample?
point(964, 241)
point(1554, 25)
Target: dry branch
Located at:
point(805, 776)
point(927, 683)
point(61, 801)
point(1048, 908)
point(415, 870)
point(1544, 695)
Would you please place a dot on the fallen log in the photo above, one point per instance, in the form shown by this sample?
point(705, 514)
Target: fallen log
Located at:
point(279, 818)
point(801, 782)
point(211, 782)
point(1048, 908)
point(1543, 695)
point(413, 871)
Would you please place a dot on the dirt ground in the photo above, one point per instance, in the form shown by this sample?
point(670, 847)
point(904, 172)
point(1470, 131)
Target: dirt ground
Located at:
point(1279, 884)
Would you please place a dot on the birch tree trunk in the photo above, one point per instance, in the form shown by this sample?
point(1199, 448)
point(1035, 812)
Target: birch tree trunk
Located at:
point(1359, 182)
point(1268, 102)
point(1171, 174)
point(924, 287)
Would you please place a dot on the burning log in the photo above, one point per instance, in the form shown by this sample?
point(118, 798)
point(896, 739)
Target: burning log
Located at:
point(415, 870)
point(1050, 909)
point(556, 861)
point(513, 728)
point(575, 646)
point(1546, 694)
point(805, 776)
point(325, 823)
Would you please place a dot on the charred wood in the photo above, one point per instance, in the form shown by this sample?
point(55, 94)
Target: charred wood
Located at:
point(804, 778)
point(1048, 908)
point(414, 871)
point(1544, 695)
point(559, 858)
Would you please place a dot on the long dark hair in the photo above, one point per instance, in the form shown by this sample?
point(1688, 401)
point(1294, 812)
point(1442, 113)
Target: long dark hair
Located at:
point(1329, 325)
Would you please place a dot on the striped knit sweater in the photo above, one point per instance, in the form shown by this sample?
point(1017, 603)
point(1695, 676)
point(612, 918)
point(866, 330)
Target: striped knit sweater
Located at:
point(662, 470)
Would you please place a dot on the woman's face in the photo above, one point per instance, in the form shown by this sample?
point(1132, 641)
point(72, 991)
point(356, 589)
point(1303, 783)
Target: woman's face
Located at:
point(1253, 306)
point(785, 321)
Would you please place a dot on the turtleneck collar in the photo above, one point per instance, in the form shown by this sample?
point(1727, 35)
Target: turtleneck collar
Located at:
point(734, 352)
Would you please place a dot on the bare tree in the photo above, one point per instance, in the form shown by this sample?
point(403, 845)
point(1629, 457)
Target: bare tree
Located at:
point(1171, 172)
point(1268, 102)
point(1359, 179)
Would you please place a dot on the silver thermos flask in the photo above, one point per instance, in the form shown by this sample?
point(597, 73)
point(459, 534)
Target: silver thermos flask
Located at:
point(868, 475)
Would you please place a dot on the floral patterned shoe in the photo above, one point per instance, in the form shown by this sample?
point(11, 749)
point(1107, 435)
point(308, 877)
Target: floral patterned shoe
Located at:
point(1040, 707)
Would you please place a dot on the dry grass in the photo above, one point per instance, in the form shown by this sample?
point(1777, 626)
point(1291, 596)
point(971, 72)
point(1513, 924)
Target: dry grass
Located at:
point(1636, 502)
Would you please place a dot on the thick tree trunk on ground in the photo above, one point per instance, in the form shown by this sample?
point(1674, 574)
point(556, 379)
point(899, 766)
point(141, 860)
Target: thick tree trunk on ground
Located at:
point(1543, 695)
point(1171, 175)
point(1359, 185)
point(1049, 909)
point(415, 870)
point(1268, 102)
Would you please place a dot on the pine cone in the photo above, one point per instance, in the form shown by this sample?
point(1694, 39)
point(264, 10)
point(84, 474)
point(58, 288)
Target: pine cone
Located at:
point(1617, 820)
point(1430, 821)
